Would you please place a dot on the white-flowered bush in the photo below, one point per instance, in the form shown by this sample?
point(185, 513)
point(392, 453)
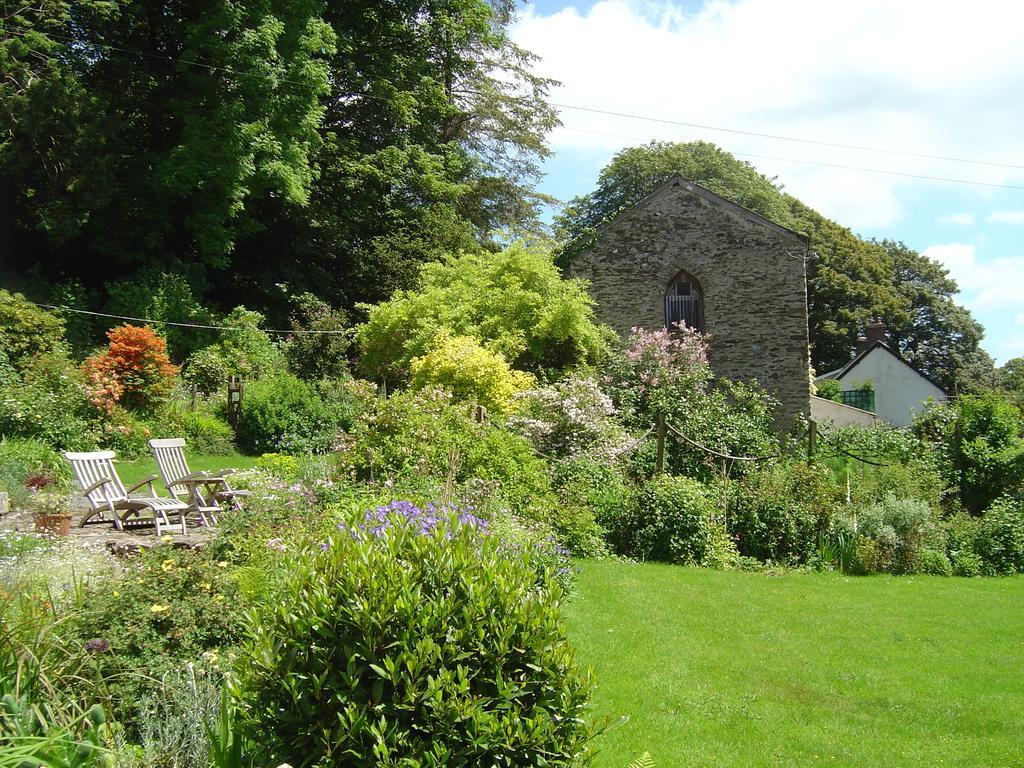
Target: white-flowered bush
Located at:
point(572, 418)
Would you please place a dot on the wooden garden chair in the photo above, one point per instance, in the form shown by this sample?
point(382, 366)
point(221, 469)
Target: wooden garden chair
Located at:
point(204, 492)
point(111, 502)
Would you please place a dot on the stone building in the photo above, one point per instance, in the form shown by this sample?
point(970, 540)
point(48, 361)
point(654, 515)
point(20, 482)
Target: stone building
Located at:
point(684, 254)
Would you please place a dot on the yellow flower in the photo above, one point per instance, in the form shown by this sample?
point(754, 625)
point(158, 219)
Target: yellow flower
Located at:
point(205, 586)
point(222, 564)
point(167, 538)
point(167, 566)
point(157, 608)
point(116, 593)
point(218, 598)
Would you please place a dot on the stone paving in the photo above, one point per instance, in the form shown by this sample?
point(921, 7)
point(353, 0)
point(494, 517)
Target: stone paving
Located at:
point(105, 535)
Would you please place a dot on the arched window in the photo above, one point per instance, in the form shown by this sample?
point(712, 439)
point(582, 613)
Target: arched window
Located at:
point(684, 303)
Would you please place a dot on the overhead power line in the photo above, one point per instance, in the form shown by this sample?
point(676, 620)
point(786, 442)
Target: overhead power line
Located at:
point(182, 325)
point(824, 164)
point(778, 137)
point(613, 113)
point(681, 123)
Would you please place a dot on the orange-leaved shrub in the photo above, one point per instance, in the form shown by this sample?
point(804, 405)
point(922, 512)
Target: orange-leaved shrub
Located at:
point(134, 371)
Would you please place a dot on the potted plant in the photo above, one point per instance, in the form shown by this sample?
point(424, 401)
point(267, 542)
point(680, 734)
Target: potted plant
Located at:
point(51, 513)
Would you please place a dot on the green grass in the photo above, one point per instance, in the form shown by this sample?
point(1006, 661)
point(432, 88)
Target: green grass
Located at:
point(720, 668)
point(133, 471)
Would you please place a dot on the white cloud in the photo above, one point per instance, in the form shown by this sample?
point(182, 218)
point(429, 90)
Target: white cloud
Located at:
point(1006, 217)
point(984, 285)
point(1019, 319)
point(915, 75)
point(958, 219)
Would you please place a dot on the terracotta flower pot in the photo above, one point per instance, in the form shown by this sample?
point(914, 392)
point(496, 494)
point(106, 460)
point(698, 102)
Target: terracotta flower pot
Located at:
point(54, 525)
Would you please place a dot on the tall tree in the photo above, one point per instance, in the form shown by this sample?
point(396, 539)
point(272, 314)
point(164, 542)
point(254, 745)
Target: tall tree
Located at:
point(939, 337)
point(432, 140)
point(183, 112)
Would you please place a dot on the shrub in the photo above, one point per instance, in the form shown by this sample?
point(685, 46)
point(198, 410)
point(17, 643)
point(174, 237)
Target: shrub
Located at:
point(126, 434)
point(134, 371)
point(515, 303)
point(829, 389)
point(980, 441)
point(593, 484)
point(1000, 538)
point(779, 511)
point(282, 413)
point(663, 373)
point(320, 344)
point(934, 562)
point(866, 559)
point(208, 434)
point(403, 643)
point(569, 419)
point(205, 370)
point(471, 373)
point(425, 434)
point(205, 432)
point(961, 535)
point(657, 372)
point(911, 478)
point(246, 350)
point(170, 607)
point(49, 401)
point(900, 529)
point(26, 330)
point(672, 519)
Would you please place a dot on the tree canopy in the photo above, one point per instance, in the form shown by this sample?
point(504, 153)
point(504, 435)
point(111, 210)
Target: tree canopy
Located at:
point(349, 141)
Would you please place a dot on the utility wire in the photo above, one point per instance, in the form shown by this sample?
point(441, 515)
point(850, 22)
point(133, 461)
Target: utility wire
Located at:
point(183, 325)
point(826, 165)
point(778, 137)
point(612, 113)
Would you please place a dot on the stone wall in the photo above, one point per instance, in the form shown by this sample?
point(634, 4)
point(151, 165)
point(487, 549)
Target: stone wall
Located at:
point(751, 273)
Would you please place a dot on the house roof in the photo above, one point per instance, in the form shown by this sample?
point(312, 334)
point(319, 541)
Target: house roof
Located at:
point(691, 186)
point(841, 372)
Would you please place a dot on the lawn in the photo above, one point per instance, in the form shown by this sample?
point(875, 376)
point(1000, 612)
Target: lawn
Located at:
point(735, 669)
point(133, 471)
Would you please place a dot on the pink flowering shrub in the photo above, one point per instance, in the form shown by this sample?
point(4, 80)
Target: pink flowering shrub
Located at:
point(657, 370)
point(667, 373)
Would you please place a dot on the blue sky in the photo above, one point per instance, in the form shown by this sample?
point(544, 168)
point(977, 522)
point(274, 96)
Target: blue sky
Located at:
point(916, 77)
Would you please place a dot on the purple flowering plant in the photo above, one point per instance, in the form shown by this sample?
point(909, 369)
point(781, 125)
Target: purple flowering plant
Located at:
point(426, 519)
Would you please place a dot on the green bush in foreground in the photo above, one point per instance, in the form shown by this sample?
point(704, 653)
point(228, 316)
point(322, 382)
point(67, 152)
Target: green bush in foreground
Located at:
point(779, 511)
point(672, 519)
point(999, 540)
point(402, 644)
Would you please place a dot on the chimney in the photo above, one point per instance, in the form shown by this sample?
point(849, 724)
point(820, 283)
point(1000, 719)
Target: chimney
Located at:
point(874, 331)
point(862, 344)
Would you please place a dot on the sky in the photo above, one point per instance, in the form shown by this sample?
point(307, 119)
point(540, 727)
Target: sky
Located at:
point(912, 78)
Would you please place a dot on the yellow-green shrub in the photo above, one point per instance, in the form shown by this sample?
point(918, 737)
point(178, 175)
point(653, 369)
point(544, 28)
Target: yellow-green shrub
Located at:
point(469, 371)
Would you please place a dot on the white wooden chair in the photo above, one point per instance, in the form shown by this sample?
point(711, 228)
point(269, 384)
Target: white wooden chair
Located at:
point(204, 492)
point(111, 502)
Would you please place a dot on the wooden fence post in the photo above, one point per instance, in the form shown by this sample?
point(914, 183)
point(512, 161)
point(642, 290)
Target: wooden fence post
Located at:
point(812, 440)
point(660, 461)
point(481, 414)
point(235, 389)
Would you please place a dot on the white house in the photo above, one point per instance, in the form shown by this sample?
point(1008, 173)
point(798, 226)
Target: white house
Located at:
point(900, 390)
